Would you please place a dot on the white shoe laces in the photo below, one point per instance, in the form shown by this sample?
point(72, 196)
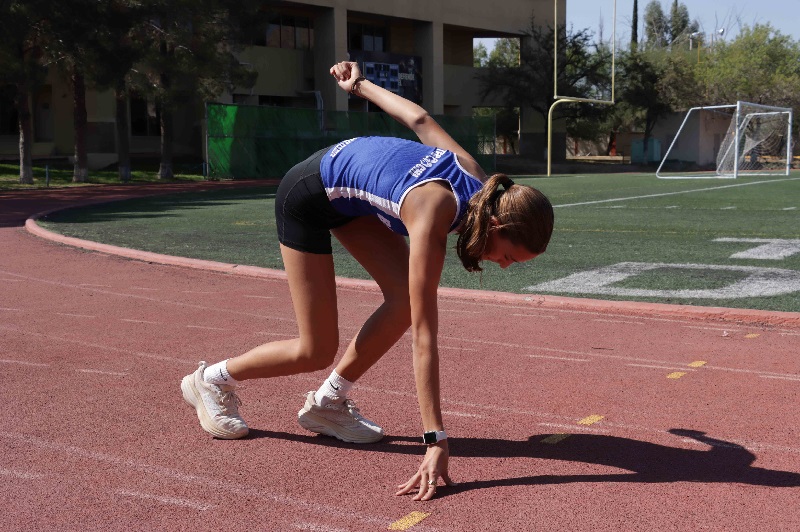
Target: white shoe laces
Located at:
point(229, 402)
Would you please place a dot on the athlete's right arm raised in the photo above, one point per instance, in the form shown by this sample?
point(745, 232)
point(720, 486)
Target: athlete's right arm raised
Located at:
point(406, 112)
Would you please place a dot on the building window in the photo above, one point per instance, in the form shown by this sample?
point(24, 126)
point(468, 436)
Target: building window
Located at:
point(284, 31)
point(145, 118)
point(367, 38)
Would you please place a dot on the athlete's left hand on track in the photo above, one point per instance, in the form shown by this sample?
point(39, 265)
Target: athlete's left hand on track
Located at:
point(433, 466)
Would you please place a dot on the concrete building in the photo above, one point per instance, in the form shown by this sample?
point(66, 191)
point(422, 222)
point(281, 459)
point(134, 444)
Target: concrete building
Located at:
point(422, 49)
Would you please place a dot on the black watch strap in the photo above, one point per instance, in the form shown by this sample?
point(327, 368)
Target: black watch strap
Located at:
point(434, 436)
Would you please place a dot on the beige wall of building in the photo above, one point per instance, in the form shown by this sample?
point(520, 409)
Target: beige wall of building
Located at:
point(439, 32)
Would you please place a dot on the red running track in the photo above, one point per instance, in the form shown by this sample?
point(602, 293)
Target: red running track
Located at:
point(564, 414)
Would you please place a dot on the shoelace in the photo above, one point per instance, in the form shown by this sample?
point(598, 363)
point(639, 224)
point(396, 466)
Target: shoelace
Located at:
point(347, 406)
point(229, 402)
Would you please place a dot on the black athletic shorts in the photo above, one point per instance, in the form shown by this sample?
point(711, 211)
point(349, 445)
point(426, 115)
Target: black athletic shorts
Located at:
point(303, 213)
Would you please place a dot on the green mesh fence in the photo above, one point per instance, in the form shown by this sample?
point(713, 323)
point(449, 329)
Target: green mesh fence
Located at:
point(264, 142)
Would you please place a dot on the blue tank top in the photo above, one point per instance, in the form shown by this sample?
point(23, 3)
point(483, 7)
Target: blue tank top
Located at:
point(372, 175)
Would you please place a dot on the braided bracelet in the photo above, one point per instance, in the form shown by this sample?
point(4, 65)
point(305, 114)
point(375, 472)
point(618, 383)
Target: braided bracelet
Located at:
point(354, 88)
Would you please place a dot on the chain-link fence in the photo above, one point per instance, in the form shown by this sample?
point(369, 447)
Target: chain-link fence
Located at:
point(246, 141)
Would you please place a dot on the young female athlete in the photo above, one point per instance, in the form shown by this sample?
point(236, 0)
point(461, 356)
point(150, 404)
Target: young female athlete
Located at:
point(371, 192)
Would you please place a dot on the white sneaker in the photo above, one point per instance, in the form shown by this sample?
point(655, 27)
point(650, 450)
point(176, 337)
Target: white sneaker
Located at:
point(342, 421)
point(217, 406)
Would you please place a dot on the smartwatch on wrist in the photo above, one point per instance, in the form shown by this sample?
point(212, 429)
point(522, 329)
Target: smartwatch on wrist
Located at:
point(434, 436)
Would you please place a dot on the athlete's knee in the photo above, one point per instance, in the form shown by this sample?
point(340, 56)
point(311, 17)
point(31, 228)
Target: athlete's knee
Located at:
point(400, 307)
point(316, 355)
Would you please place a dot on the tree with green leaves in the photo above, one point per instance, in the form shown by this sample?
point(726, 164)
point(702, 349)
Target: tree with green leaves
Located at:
point(191, 58)
point(656, 26)
point(760, 66)
point(584, 69)
point(480, 55)
point(72, 46)
point(20, 53)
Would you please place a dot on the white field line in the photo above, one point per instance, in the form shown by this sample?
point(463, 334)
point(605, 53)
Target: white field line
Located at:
point(206, 327)
point(662, 194)
point(139, 321)
point(620, 321)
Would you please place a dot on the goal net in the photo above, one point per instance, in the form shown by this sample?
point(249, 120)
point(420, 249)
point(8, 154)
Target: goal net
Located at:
point(726, 141)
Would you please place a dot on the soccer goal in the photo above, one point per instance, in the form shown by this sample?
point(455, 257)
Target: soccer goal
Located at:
point(726, 141)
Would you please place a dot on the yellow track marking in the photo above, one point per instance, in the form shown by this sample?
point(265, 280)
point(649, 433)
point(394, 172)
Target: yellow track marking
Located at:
point(698, 364)
point(555, 438)
point(752, 335)
point(404, 523)
point(590, 420)
point(676, 375)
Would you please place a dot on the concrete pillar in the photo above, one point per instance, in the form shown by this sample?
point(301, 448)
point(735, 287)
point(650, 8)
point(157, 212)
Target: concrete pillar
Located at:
point(330, 47)
point(429, 45)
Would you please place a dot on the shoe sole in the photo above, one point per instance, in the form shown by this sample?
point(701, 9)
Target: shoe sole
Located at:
point(193, 399)
point(314, 423)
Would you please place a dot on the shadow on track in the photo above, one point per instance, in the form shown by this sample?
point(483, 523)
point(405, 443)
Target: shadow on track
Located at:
point(722, 462)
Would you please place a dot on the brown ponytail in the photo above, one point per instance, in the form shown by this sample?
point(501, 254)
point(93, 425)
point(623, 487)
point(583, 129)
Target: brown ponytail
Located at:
point(524, 216)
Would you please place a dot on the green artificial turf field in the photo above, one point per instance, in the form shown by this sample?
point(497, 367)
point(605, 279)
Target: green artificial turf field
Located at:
point(617, 236)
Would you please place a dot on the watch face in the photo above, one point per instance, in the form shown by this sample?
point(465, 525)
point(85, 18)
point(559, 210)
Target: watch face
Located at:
point(429, 438)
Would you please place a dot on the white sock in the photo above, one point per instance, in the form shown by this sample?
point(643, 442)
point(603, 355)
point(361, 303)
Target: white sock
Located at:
point(334, 390)
point(218, 374)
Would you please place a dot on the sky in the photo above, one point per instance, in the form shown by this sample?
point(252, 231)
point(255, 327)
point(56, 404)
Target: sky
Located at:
point(783, 15)
point(712, 15)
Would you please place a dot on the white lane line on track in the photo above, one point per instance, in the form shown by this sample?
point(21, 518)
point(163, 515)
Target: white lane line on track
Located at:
point(458, 348)
point(461, 414)
point(573, 428)
point(173, 501)
point(88, 285)
point(10, 280)
point(96, 346)
point(788, 378)
point(143, 288)
point(27, 475)
point(71, 315)
point(206, 327)
point(261, 297)
point(314, 527)
point(662, 194)
point(238, 487)
point(668, 363)
point(146, 322)
point(619, 321)
point(24, 363)
point(671, 368)
point(723, 329)
point(282, 335)
point(11, 309)
point(537, 316)
point(101, 372)
point(125, 295)
point(567, 359)
point(197, 292)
